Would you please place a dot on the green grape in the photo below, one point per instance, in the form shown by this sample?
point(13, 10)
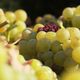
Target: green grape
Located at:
point(41, 35)
point(22, 48)
point(69, 63)
point(76, 54)
point(46, 58)
point(35, 64)
point(10, 16)
point(21, 59)
point(71, 75)
point(74, 32)
point(31, 48)
point(37, 26)
point(59, 58)
point(6, 72)
point(68, 52)
point(3, 55)
point(28, 48)
point(21, 26)
point(38, 19)
point(77, 10)
point(21, 15)
point(62, 35)
point(12, 33)
point(32, 35)
point(76, 21)
point(75, 43)
point(56, 46)
point(66, 44)
point(25, 34)
point(43, 45)
point(45, 73)
point(51, 36)
point(68, 13)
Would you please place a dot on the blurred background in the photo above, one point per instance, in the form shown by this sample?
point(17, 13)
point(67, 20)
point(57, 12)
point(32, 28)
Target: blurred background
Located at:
point(36, 8)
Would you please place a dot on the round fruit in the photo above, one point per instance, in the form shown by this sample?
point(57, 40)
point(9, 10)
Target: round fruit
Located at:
point(21, 15)
point(76, 54)
point(10, 16)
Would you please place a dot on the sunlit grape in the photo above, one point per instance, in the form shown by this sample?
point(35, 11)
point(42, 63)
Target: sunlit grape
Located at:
point(21, 15)
point(43, 45)
point(62, 35)
point(10, 16)
point(41, 35)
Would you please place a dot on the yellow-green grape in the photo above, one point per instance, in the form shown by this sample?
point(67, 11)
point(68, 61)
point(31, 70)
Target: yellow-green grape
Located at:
point(35, 64)
point(62, 35)
point(76, 21)
point(77, 10)
point(74, 32)
point(2, 16)
point(66, 44)
point(38, 19)
point(59, 58)
point(3, 55)
point(21, 26)
point(76, 54)
point(26, 33)
point(46, 58)
point(43, 45)
point(45, 73)
point(56, 46)
point(21, 59)
point(6, 72)
point(21, 15)
point(51, 36)
point(37, 26)
point(73, 8)
point(11, 17)
point(68, 51)
point(68, 13)
point(12, 33)
point(69, 63)
point(75, 43)
point(71, 75)
point(41, 35)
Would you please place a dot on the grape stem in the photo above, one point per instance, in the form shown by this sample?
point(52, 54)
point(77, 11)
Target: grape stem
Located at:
point(16, 41)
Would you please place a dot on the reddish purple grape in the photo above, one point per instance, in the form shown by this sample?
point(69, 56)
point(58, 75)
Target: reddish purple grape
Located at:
point(49, 27)
point(40, 29)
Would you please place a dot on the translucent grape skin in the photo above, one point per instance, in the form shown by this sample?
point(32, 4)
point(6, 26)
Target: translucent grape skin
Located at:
point(68, 13)
point(10, 16)
point(51, 36)
point(59, 58)
point(45, 73)
point(21, 15)
point(76, 54)
point(35, 64)
point(40, 35)
point(62, 35)
point(28, 48)
point(46, 58)
point(43, 45)
point(56, 46)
